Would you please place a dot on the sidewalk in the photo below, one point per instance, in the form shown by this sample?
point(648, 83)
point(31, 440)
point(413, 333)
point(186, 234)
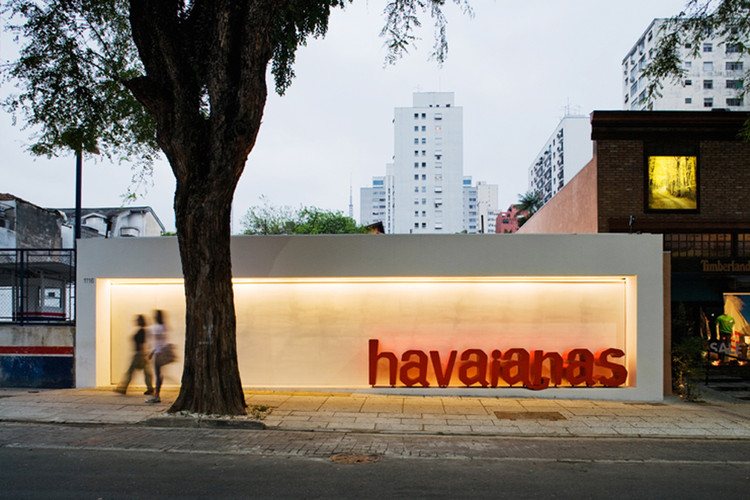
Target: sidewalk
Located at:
point(716, 417)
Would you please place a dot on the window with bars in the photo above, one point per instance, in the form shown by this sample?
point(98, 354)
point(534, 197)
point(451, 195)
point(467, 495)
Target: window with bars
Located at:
point(699, 244)
point(743, 245)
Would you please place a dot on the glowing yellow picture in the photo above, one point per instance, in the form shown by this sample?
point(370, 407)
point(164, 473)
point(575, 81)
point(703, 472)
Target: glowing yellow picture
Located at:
point(672, 183)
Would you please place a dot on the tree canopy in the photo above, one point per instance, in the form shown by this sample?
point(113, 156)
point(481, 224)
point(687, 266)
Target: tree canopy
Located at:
point(529, 203)
point(268, 219)
point(78, 62)
point(188, 77)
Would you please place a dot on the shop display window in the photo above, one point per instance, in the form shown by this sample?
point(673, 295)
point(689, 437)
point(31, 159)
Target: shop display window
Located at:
point(316, 332)
point(731, 335)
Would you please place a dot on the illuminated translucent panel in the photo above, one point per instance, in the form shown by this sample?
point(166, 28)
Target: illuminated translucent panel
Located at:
point(672, 183)
point(131, 299)
point(315, 332)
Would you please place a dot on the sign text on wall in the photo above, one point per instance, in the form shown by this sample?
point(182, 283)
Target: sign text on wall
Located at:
point(475, 367)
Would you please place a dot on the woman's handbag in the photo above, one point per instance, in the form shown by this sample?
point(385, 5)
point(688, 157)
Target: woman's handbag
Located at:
point(166, 355)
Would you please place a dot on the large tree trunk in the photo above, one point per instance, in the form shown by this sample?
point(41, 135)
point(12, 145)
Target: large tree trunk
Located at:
point(210, 379)
point(205, 86)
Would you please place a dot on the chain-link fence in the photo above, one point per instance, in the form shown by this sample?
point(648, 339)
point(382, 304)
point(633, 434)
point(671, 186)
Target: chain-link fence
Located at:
point(37, 286)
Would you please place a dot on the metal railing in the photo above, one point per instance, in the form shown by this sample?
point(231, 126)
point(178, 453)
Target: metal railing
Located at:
point(37, 286)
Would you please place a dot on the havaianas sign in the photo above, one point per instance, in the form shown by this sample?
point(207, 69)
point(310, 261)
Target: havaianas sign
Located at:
point(535, 369)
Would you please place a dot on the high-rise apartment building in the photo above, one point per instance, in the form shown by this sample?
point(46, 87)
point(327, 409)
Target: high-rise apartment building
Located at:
point(376, 202)
point(487, 206)
point(712, 80)
point(565, 153)
point(428, 165)
point(372, 202)
point(470, 203)
point(422, 191)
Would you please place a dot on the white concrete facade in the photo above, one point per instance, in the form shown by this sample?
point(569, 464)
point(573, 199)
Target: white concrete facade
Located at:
point(428, 165)
point(568, 149)
point(480, 206)
point(470, 214)
point(711, 81)
point(376, 202)
point(487, 207)
point(307, 306)
point(372, 205)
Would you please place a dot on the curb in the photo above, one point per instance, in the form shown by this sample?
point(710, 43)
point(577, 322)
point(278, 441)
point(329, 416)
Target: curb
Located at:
point(201, 423)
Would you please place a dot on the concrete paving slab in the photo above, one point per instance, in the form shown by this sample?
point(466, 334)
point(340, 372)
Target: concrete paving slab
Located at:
point(403, 414)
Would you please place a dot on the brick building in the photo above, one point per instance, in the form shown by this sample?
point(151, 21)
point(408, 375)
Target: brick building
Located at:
point(682, 174)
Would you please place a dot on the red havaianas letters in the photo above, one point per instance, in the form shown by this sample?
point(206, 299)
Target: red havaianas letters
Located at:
point(511, 367)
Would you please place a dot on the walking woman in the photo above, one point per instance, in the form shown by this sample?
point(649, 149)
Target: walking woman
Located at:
point(162, 352)
point(139, 361)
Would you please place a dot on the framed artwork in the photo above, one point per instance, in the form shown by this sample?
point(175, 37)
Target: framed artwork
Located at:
point(672, 183)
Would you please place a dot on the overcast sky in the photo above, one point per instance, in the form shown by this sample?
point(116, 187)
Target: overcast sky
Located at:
point(514, 68)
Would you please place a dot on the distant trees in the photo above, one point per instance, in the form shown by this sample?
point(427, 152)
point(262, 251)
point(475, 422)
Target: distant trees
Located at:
point(270, 219)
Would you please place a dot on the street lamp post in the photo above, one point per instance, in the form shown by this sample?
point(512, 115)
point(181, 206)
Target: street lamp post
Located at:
point(79, 175)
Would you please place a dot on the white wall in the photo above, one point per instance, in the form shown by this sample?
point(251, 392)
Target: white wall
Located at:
point(406, 291)
point(570, 155)
point(579, 148)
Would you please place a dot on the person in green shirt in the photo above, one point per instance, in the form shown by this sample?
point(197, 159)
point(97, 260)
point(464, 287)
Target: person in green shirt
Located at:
point(724, 330)
point(725, 326)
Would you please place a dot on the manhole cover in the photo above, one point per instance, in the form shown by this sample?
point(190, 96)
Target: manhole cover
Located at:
point(529, 415)
point(355, 458)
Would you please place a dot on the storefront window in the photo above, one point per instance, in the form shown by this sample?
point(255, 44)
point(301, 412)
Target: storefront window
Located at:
point(731, 334)
point(672, 183)
point(700, 244)
point(743, 245)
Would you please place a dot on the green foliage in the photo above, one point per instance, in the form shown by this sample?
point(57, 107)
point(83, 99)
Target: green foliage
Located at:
point(687, 354)
point(701, 20)
point(78, 57)
point(528, 204)
point(70, 71)
point(402, 22)
point(301, 19)
point(269, 219)
point(316, 221)
point(687, 362)
point(198, 70)
point(259, 412)
point(295, 22)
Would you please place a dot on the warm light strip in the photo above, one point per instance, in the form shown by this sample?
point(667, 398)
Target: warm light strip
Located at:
point(390, 279)
point(438, 279)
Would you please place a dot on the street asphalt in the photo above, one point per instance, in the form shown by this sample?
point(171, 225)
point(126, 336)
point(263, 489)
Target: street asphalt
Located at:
point(96, 443)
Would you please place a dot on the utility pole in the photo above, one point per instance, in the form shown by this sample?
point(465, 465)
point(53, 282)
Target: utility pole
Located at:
point(79, 176)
